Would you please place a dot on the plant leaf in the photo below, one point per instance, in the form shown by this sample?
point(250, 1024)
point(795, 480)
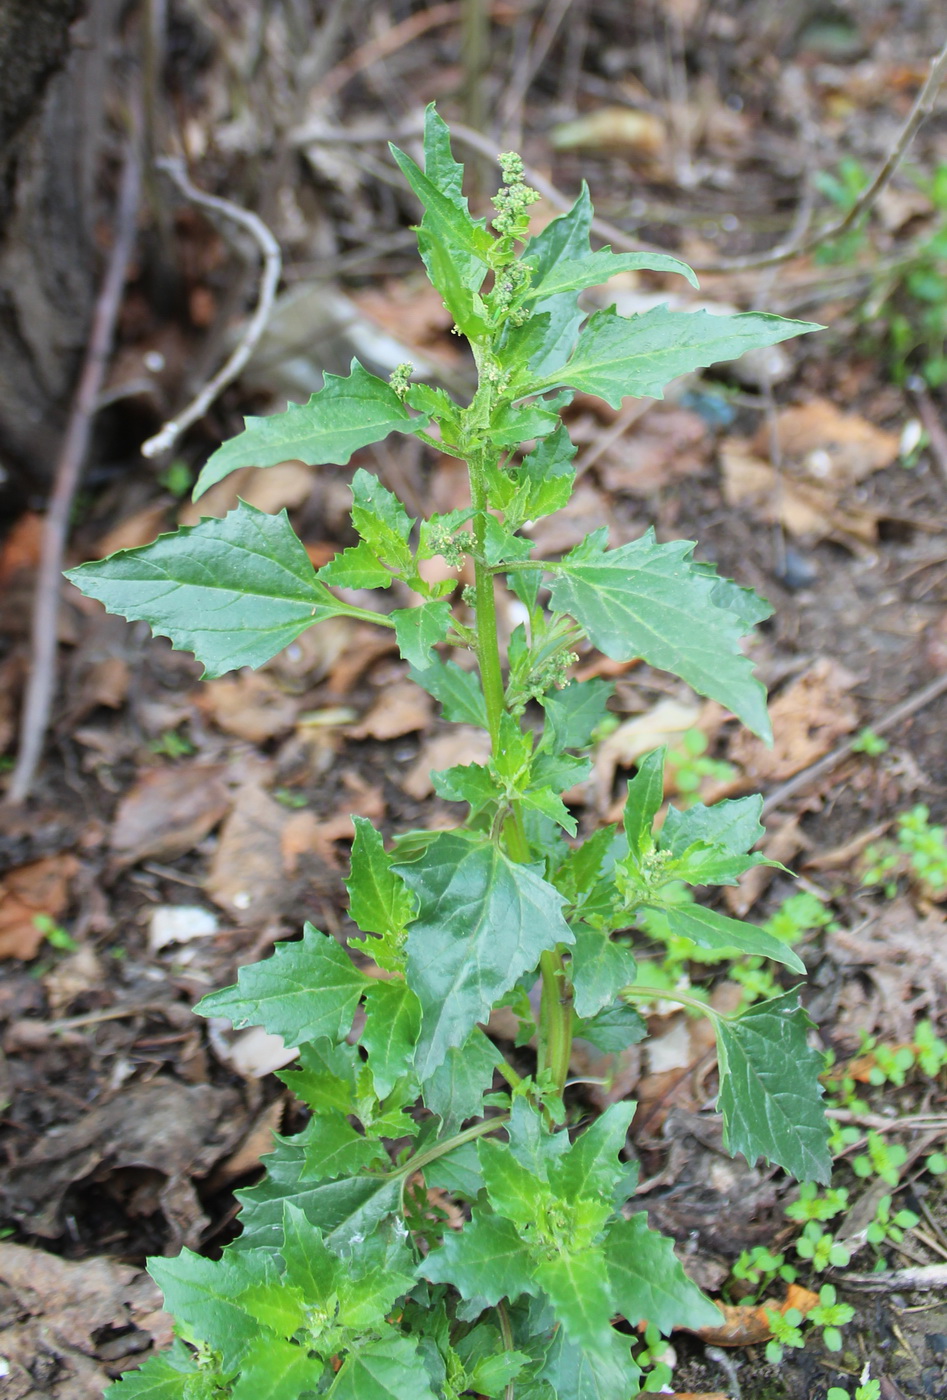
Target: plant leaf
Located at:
point(619, 356)
point(574, 274)
point(770, 1095)
point(389, 1369)
point(578, 1287)
point(647, 599)
point(346, 414)
point(379, 900)
point(233, 591)
point(540, 484)
point(419, 629)
point(613, 1029)
point(456, 1088)
point(382, 521)
point(458, 691)
point(547, 339)
point(642, 804)
point(390, 1033)
point(484, 920)
point(600, 969)
point(170, 1375)
point(591, 1167)
point(734, 826)
point(574, 713)
point(332, 1148)
point(648, 1282)
point(355, 567)
point(347, 1210)
point(709, 929)
point(205, 1296)
point(277, 1370)
point(305, 990)
point(487, 1259)
point(606, 1372)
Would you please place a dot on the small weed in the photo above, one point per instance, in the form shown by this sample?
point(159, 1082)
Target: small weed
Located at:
point(870, 743)
point(172, 744)
point(690, 765)
point(918, 852)
point(177, 478)
point(54, 934)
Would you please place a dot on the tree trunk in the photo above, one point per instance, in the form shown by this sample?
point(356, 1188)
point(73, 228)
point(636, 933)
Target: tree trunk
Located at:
point(55, 68)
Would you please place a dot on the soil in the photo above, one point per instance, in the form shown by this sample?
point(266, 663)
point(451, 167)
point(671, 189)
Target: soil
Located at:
point(128, 1122)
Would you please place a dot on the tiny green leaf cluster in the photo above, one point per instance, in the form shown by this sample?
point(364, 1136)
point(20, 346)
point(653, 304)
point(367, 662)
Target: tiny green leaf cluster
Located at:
point(346, 1280)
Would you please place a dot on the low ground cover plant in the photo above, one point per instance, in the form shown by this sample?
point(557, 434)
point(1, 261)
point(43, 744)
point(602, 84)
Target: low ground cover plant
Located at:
point(344, 1280)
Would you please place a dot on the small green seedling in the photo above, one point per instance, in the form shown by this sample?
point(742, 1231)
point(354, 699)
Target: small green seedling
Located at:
point(870, 743)
point(868, 1389)
point(342, 1281)
point(55, 935)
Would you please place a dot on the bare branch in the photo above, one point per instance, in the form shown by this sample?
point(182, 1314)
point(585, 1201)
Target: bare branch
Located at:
point(37, 701)
point(272, 267)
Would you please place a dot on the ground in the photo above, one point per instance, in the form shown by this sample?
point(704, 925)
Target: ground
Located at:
point(179, 827)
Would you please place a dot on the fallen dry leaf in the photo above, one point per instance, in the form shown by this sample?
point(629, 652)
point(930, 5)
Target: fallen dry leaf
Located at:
point(612, 129)
point(667, 445)
point(21, 546)
point(39, 888)
point(664, 724)
point(905, 957)
point(749, 1326)
point(270, 489)
point(829, 446)
point(256, 1143)
point(249, 705)
point(802, 507)
point(808, 717)
point(460, 745)
point(178, 1131)
point(134, 531)
point(401, 709)
point(168, 811)
point(246, 873)
point(72, 1321)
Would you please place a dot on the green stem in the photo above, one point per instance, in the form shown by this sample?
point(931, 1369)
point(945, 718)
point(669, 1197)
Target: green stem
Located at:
point(555, 1015)
point(555, 1018)
point(662, 994)
point(488, 646)
point(440, 1149)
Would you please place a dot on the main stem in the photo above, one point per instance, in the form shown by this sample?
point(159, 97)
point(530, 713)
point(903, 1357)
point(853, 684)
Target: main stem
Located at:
point(555, 1012)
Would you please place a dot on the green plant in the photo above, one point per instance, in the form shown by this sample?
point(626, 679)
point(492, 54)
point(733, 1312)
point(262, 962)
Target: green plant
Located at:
point(690, 765)
point(868, 742)
point(920, 852)
point(54, 933)
point(830, 1316)
point(867, 1390)
point(172, 744)
point(883, 1159)
point(344, 1281)
point(886, 1226)
point(905, 311)
point(786, 1330)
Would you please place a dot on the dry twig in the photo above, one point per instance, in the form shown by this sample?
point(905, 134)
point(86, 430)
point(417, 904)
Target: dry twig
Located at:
point(272, 267)
point(831, 760)
point(37, 701)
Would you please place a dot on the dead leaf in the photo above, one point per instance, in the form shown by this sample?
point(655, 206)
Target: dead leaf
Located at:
point(666, 446)
point(257, 1142)
point(21, 546)
point(134, 531)
point(249, 705)
point(73, 977)
point(459, 745)
point(246, 873)
point(808, 717)
point(268, 488)
point(802, 507)
point(612, 129)
point(664, 724)
point(179, 923)
point(828, 446)
point(750, 1326)
point(905, 956)
point(39, 888)
point(72, 1321)
point(168, 811)
point(176, 1130)
point(401, 709)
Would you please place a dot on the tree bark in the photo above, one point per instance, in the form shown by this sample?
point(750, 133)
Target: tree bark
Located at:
point(52, 108)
